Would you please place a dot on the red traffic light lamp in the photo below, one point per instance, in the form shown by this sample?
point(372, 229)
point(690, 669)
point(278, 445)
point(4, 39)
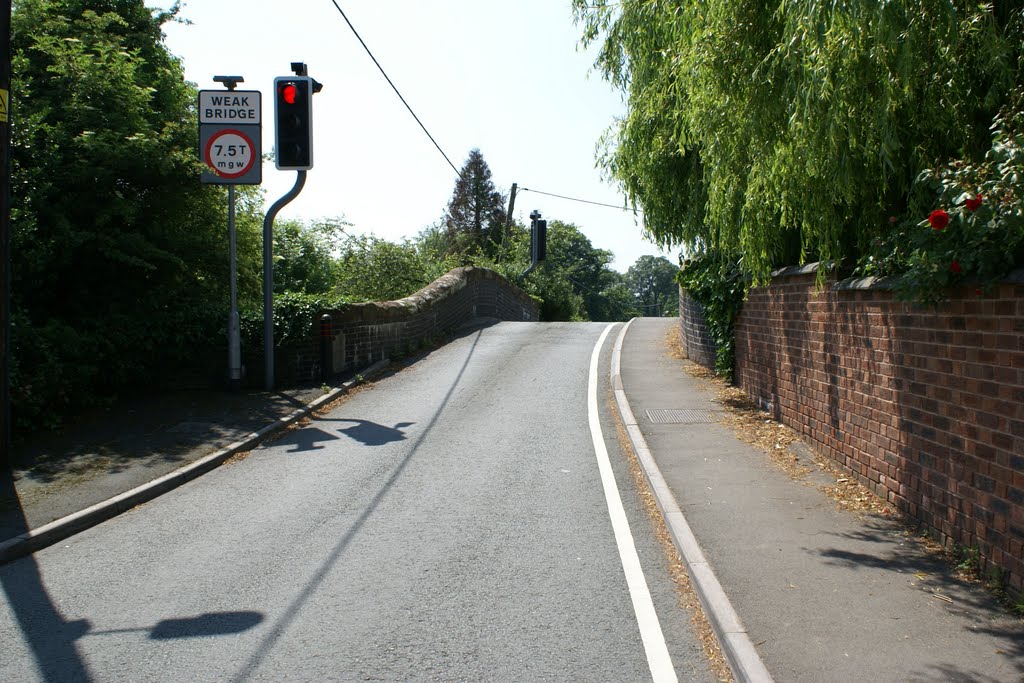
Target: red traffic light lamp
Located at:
point(289, 93)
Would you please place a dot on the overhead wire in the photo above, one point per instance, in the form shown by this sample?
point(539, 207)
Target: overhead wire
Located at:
point(582, 201)
point(431, 137)
point(393, 87)
point(434, 141)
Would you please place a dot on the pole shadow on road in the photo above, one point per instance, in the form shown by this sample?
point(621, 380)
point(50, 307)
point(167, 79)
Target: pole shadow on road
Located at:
point(302, 440)
point(52, 639)
point(49, 636)
point(202, 626)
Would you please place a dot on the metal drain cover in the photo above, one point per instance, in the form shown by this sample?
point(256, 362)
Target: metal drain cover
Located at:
point(685, 416)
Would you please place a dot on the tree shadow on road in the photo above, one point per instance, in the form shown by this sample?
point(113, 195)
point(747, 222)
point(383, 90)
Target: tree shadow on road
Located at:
point(899, 551)
point(171, 428)
point(371, 432)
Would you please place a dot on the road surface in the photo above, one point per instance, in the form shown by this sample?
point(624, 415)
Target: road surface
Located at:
point(451, 522)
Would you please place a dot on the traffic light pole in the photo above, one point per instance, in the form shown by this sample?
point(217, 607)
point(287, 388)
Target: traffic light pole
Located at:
point(538, 242)
point(268, 278)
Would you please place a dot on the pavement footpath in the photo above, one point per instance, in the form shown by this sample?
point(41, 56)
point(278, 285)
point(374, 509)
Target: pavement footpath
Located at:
point(820, 594)
point(797, 589)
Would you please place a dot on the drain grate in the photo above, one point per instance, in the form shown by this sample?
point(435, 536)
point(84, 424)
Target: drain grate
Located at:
point(685, 416)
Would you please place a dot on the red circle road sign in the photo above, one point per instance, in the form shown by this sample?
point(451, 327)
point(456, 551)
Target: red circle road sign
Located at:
point(230, 153)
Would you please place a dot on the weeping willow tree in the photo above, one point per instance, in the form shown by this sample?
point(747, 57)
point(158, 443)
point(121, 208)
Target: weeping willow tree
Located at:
point(794, 131)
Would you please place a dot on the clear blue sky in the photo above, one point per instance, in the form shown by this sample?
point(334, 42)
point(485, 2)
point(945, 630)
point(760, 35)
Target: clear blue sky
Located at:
point(507, 78)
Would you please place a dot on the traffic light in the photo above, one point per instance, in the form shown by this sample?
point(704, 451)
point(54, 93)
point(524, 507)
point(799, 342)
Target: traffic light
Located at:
point(293, 115)
point(540, 240)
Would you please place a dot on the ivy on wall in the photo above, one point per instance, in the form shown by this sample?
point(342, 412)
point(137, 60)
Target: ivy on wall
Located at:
point(719, 287)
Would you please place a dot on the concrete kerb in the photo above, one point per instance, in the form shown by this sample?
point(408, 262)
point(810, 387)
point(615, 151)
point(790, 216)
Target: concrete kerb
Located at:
point(743, 658)
point(57, 530)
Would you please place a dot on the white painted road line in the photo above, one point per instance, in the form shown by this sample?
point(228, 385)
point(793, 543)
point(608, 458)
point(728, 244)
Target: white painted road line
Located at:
point(658, 658)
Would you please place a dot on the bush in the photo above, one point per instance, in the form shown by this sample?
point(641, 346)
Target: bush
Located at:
point(294, 316)
point(53, 370)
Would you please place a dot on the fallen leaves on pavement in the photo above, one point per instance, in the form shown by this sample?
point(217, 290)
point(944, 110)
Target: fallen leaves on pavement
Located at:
point(782, 444)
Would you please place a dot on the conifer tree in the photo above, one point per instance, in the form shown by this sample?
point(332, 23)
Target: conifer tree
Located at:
point(475, 216)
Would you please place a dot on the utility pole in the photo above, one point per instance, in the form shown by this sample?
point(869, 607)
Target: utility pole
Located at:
point(5, 233)
point(507, 229)
point(511, 208)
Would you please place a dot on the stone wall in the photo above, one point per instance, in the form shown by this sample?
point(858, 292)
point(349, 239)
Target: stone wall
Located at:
point(923, 405)
point(364, 333)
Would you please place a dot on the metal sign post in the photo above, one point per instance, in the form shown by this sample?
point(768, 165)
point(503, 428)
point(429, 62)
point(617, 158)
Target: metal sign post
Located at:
point(230, 139)
point(234, 322)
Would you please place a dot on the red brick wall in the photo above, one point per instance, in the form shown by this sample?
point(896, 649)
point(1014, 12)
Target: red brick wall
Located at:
point(697, 344)
point(923, 405)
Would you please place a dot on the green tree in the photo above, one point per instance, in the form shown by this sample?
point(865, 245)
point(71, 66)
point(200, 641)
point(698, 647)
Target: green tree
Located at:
point(572, 257)
point(475, 217)
point(617, 302)
point(120, 254)
point(373, 269)
point(575, 282)
point(780, 132)
point(652, 280)
point(304, 255)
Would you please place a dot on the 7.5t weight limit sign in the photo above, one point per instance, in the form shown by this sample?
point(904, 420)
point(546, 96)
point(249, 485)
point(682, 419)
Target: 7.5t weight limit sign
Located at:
point(230, 136)
point(230, 153)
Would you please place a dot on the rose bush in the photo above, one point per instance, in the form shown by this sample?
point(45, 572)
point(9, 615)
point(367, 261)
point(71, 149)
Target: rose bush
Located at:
point(978, 233)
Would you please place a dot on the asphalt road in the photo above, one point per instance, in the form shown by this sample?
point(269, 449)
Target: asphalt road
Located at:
point(449, 523)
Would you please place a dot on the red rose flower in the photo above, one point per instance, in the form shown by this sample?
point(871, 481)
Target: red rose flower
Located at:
point(955, 267)
point(973, 203)
point(939, 219)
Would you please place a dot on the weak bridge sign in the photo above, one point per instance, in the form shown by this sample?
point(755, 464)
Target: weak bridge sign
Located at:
point(230, 136)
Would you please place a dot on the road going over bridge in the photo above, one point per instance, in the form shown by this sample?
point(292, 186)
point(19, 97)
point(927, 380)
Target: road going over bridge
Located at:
point(450, 522)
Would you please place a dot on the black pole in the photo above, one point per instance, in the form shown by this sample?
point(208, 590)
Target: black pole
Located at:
point(534, 220)
point(5, 232)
